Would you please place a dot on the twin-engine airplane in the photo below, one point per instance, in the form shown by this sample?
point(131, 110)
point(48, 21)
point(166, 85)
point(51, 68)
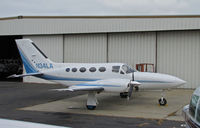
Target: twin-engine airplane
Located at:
point(92, 77)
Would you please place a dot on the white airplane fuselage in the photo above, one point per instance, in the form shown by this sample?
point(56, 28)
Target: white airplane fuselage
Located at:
point(91, 77)
point(151, 81)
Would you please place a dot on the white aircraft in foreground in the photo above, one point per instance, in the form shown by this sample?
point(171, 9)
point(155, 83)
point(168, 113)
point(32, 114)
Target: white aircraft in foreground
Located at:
point(6, 123)
point(92, 77)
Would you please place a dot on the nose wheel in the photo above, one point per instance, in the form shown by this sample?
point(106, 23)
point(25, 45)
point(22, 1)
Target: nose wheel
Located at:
point(162, 101)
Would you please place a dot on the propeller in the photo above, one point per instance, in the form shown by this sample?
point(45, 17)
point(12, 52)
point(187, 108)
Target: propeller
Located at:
point(130, 91)
point(131, 85)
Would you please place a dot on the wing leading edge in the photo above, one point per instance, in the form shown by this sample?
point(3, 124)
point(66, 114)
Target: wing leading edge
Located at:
point(99, 85)
point(23, 75)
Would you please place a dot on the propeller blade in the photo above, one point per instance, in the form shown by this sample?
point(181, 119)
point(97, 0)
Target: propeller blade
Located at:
point(130, 90)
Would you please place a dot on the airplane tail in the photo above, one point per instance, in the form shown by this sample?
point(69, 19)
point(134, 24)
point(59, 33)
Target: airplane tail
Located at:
point(33, 58)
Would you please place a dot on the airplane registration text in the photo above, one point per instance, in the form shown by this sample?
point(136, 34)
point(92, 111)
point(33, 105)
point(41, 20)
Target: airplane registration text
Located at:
point(44, 65)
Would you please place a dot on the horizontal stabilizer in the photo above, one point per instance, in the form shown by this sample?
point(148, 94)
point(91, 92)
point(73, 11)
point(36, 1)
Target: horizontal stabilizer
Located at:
point(23, 75)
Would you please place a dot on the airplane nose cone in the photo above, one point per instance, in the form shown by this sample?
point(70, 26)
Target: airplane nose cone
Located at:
point(158, 80)
point(174, 81)
point(179, 81)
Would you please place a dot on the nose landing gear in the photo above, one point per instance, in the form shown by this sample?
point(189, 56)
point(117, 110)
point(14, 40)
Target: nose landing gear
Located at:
point(162, 101)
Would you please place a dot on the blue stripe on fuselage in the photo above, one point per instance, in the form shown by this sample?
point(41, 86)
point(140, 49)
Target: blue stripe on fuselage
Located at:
point(29, 68)
point(149, 81)
point(49, 77)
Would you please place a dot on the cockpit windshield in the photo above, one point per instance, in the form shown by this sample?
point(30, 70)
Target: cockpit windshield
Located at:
point(127, 69)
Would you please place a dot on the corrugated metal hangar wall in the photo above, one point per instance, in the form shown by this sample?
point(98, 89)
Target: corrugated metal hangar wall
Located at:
point(174, 52)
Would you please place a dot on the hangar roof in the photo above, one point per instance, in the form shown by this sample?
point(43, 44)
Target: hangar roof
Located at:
point(37, 25)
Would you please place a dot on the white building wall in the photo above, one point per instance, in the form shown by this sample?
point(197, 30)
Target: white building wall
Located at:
point(52, 46)
point(132, 48)
point(85, 48)
point(101, 24)
point(179, 55)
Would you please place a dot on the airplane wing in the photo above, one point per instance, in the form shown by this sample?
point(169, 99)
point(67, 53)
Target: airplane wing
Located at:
point(81, 88)
point(23, 75)
point(98, 85)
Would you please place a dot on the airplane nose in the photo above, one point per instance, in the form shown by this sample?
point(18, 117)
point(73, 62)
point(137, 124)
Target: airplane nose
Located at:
point(157, 79)
point(179, 81)
point(175, 81)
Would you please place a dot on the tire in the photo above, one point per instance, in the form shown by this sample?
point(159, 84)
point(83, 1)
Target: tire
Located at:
point(90, 107)
point(124, 95)
point(162, 102)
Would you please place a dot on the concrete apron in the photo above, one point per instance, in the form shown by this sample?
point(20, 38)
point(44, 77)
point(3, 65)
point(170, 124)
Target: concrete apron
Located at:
point(140, 105)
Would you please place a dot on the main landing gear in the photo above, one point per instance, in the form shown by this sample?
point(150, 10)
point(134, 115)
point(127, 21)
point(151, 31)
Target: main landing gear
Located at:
point(91, 101)
point(124, 94)
point(162, 101)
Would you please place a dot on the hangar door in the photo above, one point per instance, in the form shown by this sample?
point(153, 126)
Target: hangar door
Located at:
point(132, 48)
point(179, 55)
point(10, 61)
point(52, 46)
point(85, 48)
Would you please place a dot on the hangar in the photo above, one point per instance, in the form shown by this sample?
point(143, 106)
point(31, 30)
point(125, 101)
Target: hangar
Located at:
point(171, 43)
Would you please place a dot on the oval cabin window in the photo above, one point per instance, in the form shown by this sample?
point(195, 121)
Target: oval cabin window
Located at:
point(74, 69)
point(102, 69)
point(92, 69)
point(67, 69)
point(83, 69)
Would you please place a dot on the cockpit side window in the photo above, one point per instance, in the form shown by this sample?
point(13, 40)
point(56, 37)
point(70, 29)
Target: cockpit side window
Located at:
point(115, 69)
point(127, 69)
point(193, 105)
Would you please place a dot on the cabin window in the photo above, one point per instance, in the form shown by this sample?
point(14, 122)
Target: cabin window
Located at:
point(121, 72)
point(67, 69)
point(74, 69)
point(127, 69)
point(115, 69)
point(193, 105)
point(92, 69)
point(102, 69)
point(83, 69)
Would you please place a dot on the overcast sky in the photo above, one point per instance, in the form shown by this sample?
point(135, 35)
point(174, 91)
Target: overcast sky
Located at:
point(98, 7)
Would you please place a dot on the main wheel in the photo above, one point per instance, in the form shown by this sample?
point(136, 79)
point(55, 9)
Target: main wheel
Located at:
point(162, 101)
point(90, 107)
point(136, 88)
point(124, 95)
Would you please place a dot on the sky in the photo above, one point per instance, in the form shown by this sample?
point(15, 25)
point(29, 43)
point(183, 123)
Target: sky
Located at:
point(10, 8)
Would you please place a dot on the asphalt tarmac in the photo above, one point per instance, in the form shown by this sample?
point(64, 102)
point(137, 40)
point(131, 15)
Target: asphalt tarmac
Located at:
point(14, 96)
